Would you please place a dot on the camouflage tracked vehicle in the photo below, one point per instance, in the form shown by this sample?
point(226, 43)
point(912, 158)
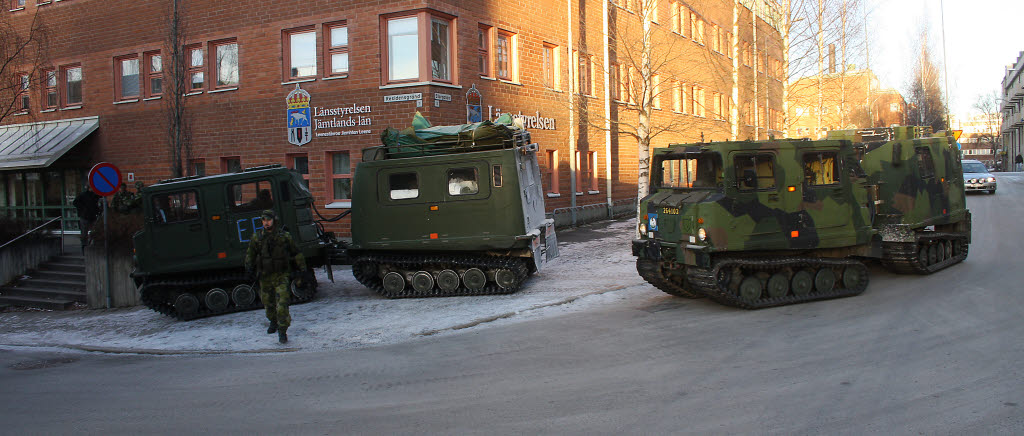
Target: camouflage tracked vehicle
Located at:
point(769, 223)
point(437, 211)
point(190, 251)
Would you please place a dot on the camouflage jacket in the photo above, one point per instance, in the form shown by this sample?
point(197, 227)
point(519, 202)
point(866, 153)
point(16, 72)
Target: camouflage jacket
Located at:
point(273, 252)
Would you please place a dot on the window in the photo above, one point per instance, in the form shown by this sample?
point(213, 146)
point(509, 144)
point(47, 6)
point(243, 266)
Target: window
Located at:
point(614, 81)
point(925, 165)
point(653, 5)
point(72, 85)
point(586, 170)
point(745, 53)
point(584, 78)
point(403, 186)
point(728, 44)
point(337, 48)
point(624, 89)
point(403, 49)
point(698, 102)
point(440, 49)
point(126, 70)
point(688, 170)
point(17, 4)
point(656, 93)
point(300, 46)
point(23, 94)
point(717, 102)
point(716, 34)
point(483, 50)
point(496, 176)
point(409, 60)
point(821, 168)
point(674, 7)
point(503, 55)
point(678, 97)
point(341, 176)
point(462, 181)
point(697, 29)
point(154, 74)
point(196, 63)
point(551, 171)
point(754, 172)
point(225, 64)
point(251, 196)
point(197, 167)
point(176, 207)
point(684, 12)
point(231, 164)
point(551, 66)
point(300, 163)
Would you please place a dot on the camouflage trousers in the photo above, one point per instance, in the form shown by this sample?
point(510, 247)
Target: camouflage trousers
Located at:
point(275, 294)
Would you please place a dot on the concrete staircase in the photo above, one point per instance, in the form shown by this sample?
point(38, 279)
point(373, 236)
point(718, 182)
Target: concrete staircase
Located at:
point(55, 284)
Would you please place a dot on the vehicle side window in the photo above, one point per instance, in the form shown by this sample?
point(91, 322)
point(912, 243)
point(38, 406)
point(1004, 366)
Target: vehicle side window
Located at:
point(462, 181)
point(821, 168)
point(175, 207)
point(403, 186)
point(925, 165)
point(496, 176)
point(250, 196)
point(755, 172)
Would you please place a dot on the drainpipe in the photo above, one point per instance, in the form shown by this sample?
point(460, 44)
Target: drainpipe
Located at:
point(572, 121)
point(607, 114)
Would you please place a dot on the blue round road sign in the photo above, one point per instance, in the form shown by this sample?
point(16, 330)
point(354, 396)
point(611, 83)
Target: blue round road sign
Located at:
point(104, 178)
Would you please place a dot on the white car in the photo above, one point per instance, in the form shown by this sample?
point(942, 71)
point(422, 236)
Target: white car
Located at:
point(977, 177)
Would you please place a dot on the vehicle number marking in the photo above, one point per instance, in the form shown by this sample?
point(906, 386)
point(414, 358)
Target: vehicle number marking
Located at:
point(670, 210)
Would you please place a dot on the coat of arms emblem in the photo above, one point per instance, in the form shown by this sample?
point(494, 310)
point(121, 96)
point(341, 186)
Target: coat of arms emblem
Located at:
point(299, 129)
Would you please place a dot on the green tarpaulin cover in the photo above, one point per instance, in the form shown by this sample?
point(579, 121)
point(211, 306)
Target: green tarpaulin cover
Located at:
point(423, 139)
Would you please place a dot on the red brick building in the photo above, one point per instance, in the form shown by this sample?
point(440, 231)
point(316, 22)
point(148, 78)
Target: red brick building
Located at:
point(370, 65)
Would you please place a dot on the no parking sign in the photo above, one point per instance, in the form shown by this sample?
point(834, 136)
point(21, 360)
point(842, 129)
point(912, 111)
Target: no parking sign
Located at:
point(104, 179)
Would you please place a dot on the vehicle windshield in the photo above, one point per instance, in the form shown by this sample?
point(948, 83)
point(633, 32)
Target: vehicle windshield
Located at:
point(689, 170)
point(974, 167)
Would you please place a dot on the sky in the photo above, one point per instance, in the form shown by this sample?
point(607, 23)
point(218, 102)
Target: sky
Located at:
point(982, 38)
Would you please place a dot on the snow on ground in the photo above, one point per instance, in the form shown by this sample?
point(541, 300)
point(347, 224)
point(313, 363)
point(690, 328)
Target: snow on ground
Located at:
point(596, 268)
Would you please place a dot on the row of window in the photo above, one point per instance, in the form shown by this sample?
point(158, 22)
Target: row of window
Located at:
point(17, 5)
point(586, 172)
point(338, 172)
point(215, 65)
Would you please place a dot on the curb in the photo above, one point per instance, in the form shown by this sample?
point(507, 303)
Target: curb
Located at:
point(152, 352)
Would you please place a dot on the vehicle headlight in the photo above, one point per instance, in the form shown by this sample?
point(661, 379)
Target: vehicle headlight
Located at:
point(702, 234)
point(991, 179)
point(643, 229)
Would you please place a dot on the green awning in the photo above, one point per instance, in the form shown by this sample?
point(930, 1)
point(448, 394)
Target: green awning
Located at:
point(37, 145)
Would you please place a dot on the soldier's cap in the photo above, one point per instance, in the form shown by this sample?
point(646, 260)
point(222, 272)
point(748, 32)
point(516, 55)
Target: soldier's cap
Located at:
point(269, 214)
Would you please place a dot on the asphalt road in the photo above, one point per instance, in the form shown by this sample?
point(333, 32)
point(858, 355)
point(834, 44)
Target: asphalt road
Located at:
point(934, 355)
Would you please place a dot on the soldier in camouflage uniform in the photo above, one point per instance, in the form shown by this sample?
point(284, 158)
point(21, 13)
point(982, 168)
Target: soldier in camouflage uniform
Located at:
point(271, 253)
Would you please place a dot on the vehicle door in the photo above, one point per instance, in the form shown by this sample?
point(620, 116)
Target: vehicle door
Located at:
point(179, 231)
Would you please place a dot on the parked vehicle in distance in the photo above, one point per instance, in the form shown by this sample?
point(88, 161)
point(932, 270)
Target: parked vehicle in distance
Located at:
point(978, 178)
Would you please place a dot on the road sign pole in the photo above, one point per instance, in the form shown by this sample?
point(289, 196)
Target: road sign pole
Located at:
point(106, 249)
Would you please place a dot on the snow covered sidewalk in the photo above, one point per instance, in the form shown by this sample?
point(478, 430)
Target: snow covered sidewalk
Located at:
point(595, 267)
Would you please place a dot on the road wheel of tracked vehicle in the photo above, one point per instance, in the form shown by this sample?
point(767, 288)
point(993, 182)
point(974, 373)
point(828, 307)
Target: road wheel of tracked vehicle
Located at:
point(824, 280)
point(750, 289)
point(933, 254)
point(216, 299)
point(802, 282)
point(947, 246)
point(778, 285)
point(243, 295)
point(447, 280)
point(394, 282)
point(422, 282)
point(505, 278)
point(855, 277)
point(300, 293)
point(186, 304)
point(922, 256)
point(474, 279)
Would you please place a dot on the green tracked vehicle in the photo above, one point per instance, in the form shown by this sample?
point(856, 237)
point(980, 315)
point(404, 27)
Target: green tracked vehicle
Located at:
point(757, 224)
point(436, 211)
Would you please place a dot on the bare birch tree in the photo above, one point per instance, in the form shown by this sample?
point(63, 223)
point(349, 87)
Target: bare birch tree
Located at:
point(23, 55)
point(177, 84)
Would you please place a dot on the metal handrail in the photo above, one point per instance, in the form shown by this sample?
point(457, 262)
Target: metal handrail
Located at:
point(60, 218)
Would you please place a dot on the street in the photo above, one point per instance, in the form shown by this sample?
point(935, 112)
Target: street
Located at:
point(935, 355)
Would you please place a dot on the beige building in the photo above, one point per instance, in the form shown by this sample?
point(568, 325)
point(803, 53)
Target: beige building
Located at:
point(980, 137)
point(1013, 112)
point(832, 101)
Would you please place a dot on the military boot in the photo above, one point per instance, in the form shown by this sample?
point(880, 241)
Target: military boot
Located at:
point(272, 328)
point(282, 336)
